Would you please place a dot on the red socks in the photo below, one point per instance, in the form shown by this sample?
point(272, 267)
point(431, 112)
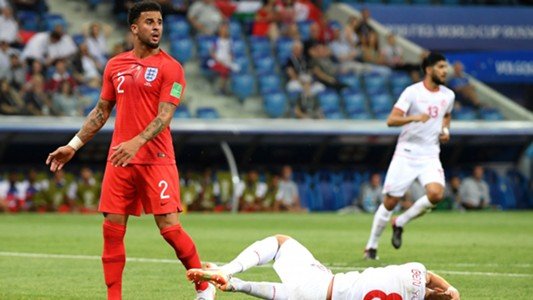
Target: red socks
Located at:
point(185, 249)
point(113, 258)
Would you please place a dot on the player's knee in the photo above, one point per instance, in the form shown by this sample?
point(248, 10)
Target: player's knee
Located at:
point(435, 195)
point(390, 202)
point(282, 238)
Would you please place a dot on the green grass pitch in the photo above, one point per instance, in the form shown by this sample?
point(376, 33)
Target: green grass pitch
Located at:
point(486, 255)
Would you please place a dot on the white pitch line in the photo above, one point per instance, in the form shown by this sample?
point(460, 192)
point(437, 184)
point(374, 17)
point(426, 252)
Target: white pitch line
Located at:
point(333, 266)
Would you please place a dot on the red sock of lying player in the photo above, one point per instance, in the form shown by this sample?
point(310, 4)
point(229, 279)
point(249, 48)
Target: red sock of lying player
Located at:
point(185, 249)
point(113, 258)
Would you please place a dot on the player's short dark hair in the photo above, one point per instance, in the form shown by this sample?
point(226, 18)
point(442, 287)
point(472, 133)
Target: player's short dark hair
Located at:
point(139, 7)
point(432, 59)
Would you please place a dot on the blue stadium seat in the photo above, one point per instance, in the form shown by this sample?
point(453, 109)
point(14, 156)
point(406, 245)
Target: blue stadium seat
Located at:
point(283, 50)
point(329, 100)
point(178, 28)
point(90, 93)
point(264, 64)
point(275, 104)
point(204, 45)
point(182, 112)
point(182, 49)
point(375, 83)
point(238, 47)
point(381, 104)
point(354, 102)
point(501, 192)
point(351, 80)
point(259, 45)
point(464, 113)
point(29, 20)
point(78, 38)
point(243, 62)
point(304, 27)
point(50, 21)
point(489, 113)
point(235, 29)
point(269, 83)
point(333, 114)
point(519, 185)
point(399, 81)
point(242, 85)
point(207, 113)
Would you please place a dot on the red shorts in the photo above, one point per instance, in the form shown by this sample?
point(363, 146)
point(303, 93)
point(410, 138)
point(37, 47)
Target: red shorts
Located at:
point(129, 190)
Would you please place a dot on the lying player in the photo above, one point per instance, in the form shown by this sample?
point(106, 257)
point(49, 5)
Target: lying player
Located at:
point(303, 277)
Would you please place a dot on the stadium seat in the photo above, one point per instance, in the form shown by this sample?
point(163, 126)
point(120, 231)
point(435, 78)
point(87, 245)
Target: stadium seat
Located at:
point(178, 28)
point(78, 38)
point(243, 62)
point(182, 112)
point(501, 192)
point(333, 114)
point(304, 27)
point(204, 45)
point(52, 20)
point(235, 29)
point(491, 114)
point(182, 49)
point(207, 113)
point(238, 47)
point(29, 20)
point(269, 83)
point(519, 185)
point(351, 80)
point(464, 113)
point(353, 101)
point(275, 104)
point(283, 50)
point(259, 45)
point(329, 100)
point(375, 83)
point(242, 85)
point(381, 103)
point(399, 81)
point(264, 64)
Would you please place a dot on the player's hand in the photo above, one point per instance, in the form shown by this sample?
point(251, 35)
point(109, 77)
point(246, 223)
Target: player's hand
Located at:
point(453, 293)
point(422, 118)
point(60, 157)
point(125, 152)
point(443, 138)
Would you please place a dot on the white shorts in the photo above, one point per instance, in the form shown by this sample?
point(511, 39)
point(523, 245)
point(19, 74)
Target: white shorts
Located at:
point(404, 170)
point(304, 276)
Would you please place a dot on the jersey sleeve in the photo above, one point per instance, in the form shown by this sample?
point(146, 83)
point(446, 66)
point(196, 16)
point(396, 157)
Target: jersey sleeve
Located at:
point(405, 100)
point(173, 86)
point(452, 100)
point(108, 90)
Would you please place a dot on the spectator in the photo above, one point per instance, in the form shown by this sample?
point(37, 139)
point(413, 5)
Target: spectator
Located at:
point(372, 54)
point(5, 54)
point(324, 69)
point(305, 10)
point(209, 192)
point(31, 190)
point(266, 19)
point(189, 188)
point(298, 72)
point(87, 67)
point(451, 193)
point(60, 74)
point(307, 106)
point(58, 192)
point(272, 194)
point(474, 190)
point(221, 60)
point(36, 68)
point(65, 102)
point(460, 84)
point(363, 27)
point(17, 71)
point(35, 98)
point(393, 56)
point(287, 19)
point(370, 194)
point(287, 198)
point(347, 55)
point(205, 17)
point(85, 191)
point(96, 40)
point(9, 194)
point(49, 46)
point(10, 27)
point(251, 192)
point(10, 101)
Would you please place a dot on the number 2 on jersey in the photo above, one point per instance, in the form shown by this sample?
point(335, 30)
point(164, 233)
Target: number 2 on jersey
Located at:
point(433, 111)
point(119, 86)
point(164, 186)
point(380, 295)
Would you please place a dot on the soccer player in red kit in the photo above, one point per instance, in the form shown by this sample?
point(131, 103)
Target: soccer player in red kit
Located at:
point(146, 85)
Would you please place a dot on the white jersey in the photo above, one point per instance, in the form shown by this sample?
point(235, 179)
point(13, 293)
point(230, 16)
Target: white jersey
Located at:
point(422, 139)
point(402, 282)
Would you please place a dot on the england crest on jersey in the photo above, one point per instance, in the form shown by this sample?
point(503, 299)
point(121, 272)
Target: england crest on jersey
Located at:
point(150, 74)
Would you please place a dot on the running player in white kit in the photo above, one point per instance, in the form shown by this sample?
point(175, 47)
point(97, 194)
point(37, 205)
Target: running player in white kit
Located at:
point(305, 278)
point(424, 112)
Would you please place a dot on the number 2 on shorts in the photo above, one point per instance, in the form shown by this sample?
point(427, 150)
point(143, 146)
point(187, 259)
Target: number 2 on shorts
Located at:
point(164, 186)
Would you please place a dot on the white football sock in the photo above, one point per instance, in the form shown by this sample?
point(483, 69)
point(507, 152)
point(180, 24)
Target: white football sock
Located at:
point(263, 290)
point(419, 208)
point(258, 253)
point(381, 218)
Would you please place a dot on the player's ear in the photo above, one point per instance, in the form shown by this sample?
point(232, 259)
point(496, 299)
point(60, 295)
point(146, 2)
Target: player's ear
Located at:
point(134, 28)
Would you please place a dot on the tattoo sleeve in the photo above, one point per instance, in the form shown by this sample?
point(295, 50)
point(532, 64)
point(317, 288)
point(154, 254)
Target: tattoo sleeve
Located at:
point(95, 120)
point(164, 116)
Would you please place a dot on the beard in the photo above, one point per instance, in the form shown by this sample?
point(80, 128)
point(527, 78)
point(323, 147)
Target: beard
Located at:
point(148, 43)
point(437, 80)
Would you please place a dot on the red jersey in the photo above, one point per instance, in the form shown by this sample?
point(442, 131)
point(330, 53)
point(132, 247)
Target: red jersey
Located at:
point(138, 86)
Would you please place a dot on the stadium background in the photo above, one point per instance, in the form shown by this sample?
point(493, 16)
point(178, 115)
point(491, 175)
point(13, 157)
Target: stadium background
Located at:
point(255, 127)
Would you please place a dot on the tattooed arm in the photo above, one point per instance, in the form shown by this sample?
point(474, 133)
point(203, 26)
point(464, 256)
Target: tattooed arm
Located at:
point(125, 152)
point(93, 123)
